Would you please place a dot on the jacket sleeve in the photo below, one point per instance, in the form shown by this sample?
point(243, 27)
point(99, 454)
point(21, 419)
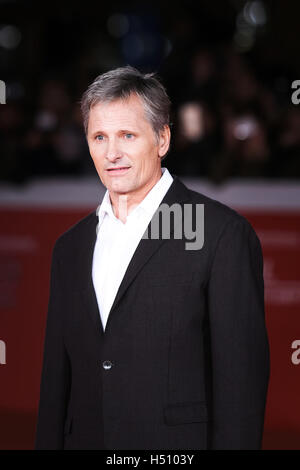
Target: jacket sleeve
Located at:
point(239, 342)
point(55, 377)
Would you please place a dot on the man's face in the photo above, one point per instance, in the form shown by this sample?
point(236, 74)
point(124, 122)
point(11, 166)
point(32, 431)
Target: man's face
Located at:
point(124, 147)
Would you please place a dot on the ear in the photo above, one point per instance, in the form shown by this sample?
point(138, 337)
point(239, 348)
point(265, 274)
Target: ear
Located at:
point(164, 141)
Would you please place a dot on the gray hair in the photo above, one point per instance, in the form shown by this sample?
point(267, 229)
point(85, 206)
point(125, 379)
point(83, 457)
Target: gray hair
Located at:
point(120, 83)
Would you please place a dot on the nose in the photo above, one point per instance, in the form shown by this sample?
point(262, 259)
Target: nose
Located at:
point(113, 153)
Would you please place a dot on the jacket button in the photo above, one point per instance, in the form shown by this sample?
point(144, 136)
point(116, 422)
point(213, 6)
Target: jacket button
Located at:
point(107, 365)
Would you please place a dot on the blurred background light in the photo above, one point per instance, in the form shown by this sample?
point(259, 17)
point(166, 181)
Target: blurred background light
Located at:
point(10, 37)
point(191, 121)
point(252, 17)
point(45, 121)
point(244, 128)
point(255, 13)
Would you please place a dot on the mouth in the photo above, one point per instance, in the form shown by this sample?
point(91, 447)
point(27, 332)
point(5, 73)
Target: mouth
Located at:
point(120, 170)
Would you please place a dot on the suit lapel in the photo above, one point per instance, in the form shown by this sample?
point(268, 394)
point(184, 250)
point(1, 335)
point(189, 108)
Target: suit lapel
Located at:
point(85, 265)
point(177, 193)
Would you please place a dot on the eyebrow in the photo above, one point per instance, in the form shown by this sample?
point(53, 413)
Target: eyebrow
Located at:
point(121, 131)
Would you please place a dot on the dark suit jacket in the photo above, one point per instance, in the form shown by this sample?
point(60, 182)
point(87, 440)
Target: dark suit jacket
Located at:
point(186, 338)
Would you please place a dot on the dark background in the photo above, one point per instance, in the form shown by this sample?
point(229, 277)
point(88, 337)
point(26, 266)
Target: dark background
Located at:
point(228, 67)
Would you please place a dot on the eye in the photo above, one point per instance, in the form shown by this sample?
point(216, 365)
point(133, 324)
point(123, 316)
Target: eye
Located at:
point(128, 135)
point(99, 137)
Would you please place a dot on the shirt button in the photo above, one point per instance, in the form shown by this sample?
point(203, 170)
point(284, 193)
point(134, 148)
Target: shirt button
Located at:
point(107, 365)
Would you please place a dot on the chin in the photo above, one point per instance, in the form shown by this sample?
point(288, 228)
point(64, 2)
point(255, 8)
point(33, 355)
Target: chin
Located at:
point(120, 188)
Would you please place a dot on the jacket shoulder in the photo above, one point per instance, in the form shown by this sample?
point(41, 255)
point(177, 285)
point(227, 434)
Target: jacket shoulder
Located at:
point(215, 207)
point(218, 214)
point(77, 231)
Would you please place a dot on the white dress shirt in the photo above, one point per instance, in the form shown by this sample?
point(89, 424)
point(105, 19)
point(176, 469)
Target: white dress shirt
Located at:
point(117, 241)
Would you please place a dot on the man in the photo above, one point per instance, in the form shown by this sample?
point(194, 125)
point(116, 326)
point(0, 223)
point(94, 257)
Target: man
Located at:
point(151, 343)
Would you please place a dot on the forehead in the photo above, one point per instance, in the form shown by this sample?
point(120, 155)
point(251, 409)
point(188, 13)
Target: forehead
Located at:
point(119, 113)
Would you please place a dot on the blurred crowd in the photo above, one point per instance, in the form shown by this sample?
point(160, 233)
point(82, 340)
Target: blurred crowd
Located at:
point(231, 121)
point(228, 121)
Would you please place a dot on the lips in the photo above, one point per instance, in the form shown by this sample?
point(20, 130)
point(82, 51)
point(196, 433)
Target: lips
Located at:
point(118, 170)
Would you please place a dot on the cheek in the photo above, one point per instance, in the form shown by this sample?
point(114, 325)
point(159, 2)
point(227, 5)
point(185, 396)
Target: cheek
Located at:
point(96, 155)
point(98, 164)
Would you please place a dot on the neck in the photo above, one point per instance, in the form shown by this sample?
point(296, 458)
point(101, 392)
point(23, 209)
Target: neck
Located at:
point(123, 204)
